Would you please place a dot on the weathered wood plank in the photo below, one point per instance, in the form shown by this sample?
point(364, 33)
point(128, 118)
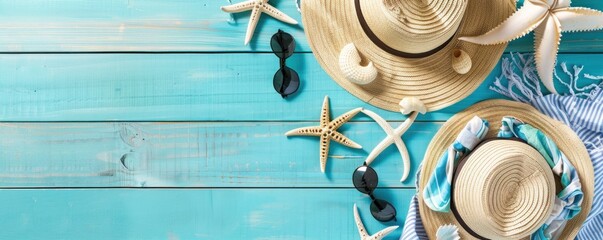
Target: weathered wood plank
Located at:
point(192, 214)
point(173, 87)
point(186, 87)
point(183, 25)
point(192, 155)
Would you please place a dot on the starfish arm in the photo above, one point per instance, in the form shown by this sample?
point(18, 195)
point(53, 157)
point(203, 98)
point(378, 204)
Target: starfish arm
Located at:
point(405, 159)
point(381, 234)
point(253, 22)
point(579, 19)
point(340, 138)
point(324, 113)
point(406, 124)
point(399, 131)
point(324, 152)
point(335, 124)
point(563, 3)
point(275, 13)
point(379, 149)
point(305, 131)
point(359, 224)
point(239, 7)
point(388, 140)
point(517, 25)
point(546, 38)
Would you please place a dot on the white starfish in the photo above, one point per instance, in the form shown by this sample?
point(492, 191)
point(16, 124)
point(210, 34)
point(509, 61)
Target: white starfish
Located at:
point(257, 7)
point(327, 131)
point(394, 136)
point(547, 18)
point(364, 234)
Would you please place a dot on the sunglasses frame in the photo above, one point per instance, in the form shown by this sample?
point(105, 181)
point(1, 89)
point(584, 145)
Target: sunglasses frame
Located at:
point(377, 205)
point(284, 76)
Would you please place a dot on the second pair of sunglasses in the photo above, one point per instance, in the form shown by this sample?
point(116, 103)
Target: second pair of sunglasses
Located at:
point(286, 80)
point(365, 180)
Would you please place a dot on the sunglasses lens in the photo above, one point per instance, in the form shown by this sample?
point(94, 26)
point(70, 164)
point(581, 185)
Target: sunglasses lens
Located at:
point(286, 81)
point(282, 44)
point(365, 179)
point(382, 210)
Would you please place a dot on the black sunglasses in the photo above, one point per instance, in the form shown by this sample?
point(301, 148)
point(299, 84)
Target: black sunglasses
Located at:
point(286, 80)
point(365, 180)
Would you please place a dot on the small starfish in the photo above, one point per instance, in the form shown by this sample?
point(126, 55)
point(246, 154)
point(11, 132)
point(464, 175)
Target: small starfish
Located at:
point(364, 234)
point(328, 131)
point(394, 136)
point(257, 7)
point(547, 18)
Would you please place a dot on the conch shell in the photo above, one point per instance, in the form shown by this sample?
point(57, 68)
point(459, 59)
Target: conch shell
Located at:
point(412, 104)
point(461, 61)
point(349, 63)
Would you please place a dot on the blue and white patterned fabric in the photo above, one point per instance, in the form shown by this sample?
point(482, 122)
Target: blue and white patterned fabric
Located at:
point(413, 226)
point(436, 194)
point(581, 109)
point(585, 117)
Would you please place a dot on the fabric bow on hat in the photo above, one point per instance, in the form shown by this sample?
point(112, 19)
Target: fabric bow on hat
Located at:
point(437, 193)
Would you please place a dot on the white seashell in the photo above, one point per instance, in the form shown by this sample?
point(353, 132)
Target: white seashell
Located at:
point(448, 232)
point(461, 61)
point(412, 104)
point(349, 63)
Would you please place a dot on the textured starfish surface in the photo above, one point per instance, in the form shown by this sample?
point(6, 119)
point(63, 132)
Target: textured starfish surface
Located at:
point(327, 131)
point(257, 7)
point(548, 19)
point(364, 234)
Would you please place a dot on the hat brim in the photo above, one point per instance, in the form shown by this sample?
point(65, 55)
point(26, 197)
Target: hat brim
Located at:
point(493, 111)
point(332, 24)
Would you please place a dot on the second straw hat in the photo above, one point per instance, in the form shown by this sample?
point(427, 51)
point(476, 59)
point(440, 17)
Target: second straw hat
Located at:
point(504, 189)
point(407, 48)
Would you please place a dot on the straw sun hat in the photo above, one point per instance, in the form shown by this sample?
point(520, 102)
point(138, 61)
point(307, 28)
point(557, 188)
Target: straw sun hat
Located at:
point(409, 47)
point(504, 188)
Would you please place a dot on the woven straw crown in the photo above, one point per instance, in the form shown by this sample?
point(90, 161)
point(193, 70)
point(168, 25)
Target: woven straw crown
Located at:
point(428, 28)
point(414, 26)
point(510, 182)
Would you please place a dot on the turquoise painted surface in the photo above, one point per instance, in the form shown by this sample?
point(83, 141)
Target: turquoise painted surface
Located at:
point(149, 119)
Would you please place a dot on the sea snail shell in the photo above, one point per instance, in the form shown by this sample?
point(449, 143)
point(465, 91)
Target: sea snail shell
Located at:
point(412, 104)
point(349, 63)
point(461, 62)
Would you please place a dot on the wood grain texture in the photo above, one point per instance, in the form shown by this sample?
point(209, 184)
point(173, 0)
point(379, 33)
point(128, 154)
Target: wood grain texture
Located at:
point(191, 214)
point(193, 155)
point(188, 87)
point(179, 25)
point(175, 87)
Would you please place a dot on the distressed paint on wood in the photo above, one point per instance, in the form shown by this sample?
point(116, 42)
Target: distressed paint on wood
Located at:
point(192, 155)
point(174, 87)
point(187, 87)
point(178, 25)
point(191, 214)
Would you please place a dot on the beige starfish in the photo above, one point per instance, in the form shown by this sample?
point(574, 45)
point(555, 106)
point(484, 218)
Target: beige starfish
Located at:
point(547, 18)
point(364, 234)
point(257, 7)
point(328, 131)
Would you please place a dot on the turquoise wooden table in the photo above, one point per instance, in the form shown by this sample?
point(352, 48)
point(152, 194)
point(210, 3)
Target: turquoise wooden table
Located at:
point(149, 119)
